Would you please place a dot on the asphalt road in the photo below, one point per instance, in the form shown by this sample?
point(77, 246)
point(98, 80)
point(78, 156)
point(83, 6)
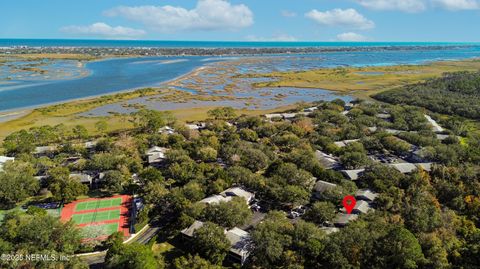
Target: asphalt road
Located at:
point(97, 260)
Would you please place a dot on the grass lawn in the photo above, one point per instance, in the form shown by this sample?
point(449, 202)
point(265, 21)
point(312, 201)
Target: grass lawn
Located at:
point(104, 203)
point(93, 231)
point(96, 216)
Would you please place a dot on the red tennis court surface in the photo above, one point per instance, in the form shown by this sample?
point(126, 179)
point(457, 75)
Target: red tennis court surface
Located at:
point(95, 213)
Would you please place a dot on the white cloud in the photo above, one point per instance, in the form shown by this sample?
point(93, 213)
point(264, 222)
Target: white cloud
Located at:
point(288, 14)
point(104, 30)
point(279, 37)
point(457, 4)
point(354, 37)
point(413, 6)
point(341, 17)
point(410, 6)
point(208, 15)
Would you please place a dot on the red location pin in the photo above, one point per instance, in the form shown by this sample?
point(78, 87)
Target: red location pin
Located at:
point(349, 203)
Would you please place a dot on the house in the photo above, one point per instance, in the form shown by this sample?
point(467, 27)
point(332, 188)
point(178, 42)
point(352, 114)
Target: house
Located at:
point(227, 195)
point(83, 178)
point(288, 116)
point(166, 130)
point(404, 168)
point(215, 199)
point(425, 166)
point(240, 192)
point(240, 241)
point(353, 174)
point(417, 156)
point(5, 159)
point(241, 245)
point(188, 232)
point(273, 116)
point(44, 150)
point(344, 143)
point(310, 109)
point(326, 160)
point(361, 207)
point(393, 131)
point(341, 220)
point(197, 126)
point(156, 154)
point(435, 126)
point(366, 195)
point(329, 230)
point(442, 137)
point(383, 116)
point(321, 187)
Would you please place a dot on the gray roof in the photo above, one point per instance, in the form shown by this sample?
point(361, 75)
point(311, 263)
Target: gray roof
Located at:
point(361, 207)
point(384, 116)
point(343, 219)
point(404, 168)
point(330, 230)
point(442, 136)
point(240, 241)
point(353, 174)
point(156, 154)
point(326, 160)
point(425, 166)
point(237, 191)
point(322, 186)
point(83, 178)
point(44, 149)
point(190, 230)
point(343, 143)
point(215, 199)
point(366, 195)
point(393, 131)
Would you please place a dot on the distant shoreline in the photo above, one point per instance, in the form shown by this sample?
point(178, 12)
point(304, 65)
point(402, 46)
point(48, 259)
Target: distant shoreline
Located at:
point(100, 48)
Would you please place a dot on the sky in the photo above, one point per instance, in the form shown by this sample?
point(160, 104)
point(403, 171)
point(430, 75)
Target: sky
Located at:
point(244, 20)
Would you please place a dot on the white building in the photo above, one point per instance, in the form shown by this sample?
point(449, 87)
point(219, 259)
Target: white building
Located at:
point(156, 154)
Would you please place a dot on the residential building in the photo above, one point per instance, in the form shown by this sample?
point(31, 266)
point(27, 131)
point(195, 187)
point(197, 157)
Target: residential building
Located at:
point(366, 195)
point(83, 178)
point(240, 192)
point(361, 207)
point(341, 220)
point(321, 187)
point(326, 160)
point(44, 150)
point(188, 232)
point(241, 245)
point(353, 174)
point(156, 154)
point(404, 168)
point(344, 143)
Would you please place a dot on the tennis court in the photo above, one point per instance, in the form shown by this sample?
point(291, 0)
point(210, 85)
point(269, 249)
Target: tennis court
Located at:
point(96, 216)
point(100, 230)
point(99, 218)
point(96, 204)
